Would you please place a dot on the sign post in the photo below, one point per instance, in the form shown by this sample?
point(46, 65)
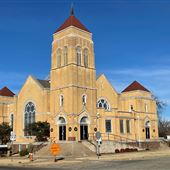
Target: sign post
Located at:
point(12, 139)
point(55, 149)
point(99, 142)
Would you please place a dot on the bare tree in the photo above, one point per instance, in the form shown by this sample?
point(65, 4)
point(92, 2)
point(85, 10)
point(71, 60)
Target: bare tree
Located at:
point(160, 106)
point(164, 128)
point(163, 124)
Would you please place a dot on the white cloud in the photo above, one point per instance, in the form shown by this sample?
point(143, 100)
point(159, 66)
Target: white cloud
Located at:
point(141, 72)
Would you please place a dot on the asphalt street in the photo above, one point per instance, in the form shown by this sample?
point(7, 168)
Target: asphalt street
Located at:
point(162, 163)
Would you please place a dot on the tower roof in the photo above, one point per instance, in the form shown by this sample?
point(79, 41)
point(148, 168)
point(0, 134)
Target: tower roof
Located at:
point(135, 86)
point(6, 92)
point(72, 21)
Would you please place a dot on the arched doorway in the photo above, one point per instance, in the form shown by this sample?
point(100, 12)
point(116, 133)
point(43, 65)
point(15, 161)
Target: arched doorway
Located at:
point(62, 128)
point(84, 128)
point(147, 129)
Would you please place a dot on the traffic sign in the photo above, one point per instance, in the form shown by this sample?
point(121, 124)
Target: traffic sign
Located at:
point(13, 136)
point(55, 149)
point(98, 135)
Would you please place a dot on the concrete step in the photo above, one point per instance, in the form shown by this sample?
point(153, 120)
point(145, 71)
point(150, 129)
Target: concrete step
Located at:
point(72, 149)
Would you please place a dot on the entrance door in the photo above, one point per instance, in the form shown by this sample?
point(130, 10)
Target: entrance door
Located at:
point(62, 132)
point(84, 128)
point(147, 129)
point(83, 132)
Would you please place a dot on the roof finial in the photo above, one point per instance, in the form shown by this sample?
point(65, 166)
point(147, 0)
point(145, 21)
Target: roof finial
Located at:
point(72, 10)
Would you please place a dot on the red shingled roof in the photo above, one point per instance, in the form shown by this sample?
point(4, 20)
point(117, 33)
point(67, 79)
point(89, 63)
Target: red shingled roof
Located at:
point(72, 21)
point(135, 86)
point(6, 92)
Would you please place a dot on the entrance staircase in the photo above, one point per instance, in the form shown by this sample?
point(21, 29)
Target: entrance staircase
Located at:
point(68, 149)
point(110, 144)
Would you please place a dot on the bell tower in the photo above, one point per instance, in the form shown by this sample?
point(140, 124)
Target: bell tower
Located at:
point(73, 82)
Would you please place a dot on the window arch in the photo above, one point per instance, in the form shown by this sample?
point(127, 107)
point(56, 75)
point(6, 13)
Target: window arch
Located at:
point(146, 107)
point(61, 100)
point(84, 99)
point(147, 123)
point(29, 117)
point(59, 58)
point(65, 56)
point(131, 108)
point(61, 121)
point(78, 54)
point(102, 103)
point(84, 120)
point(86, 57)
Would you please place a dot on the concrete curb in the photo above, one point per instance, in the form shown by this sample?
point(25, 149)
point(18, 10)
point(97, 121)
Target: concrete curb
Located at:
point(45, 162)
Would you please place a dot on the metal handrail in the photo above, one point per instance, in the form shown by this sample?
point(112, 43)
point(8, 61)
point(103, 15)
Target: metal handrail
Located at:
point(113, 137)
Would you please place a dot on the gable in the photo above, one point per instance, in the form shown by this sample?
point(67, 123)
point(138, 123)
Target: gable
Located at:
point(32, 84)
point(105, 90)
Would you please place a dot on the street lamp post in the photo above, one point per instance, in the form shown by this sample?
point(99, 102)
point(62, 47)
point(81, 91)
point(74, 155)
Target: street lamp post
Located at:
point(139, 130)
point(97, 121)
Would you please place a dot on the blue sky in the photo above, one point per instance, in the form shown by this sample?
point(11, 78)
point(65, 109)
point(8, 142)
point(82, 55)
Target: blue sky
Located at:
point(131, 40)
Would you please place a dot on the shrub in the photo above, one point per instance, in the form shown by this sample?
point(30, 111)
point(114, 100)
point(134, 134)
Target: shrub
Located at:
point(5, 131)
point(122, 150)
point(23, 152)
point(127, 150)
point(117, 151)
point(41, 130)
point(135, 150)
point(30, 148)
point(131, 149)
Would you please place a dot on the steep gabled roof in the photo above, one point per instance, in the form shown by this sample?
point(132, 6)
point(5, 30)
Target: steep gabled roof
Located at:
point(135, 86)
point(72, 21)
point(6, 92)
point(44, 83)
point(102, 76)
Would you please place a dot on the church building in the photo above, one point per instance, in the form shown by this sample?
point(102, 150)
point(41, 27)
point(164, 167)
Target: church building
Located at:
point(74, 101)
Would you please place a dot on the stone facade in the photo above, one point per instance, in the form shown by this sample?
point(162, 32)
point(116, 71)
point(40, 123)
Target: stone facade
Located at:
point(75, 103)
point(7, 106)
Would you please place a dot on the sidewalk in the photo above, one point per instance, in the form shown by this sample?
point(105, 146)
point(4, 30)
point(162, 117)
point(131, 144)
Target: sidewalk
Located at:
point(46, 161)
point(131, 155)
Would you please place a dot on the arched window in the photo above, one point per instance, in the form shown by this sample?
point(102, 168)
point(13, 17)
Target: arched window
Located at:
point(65, 56)
point(86, 57)
point(78, 54)
point(61, 121)
point(11, 121)
point(84, 120)
point(102, 103)
point(29, 117)
point(84, 99)
point(147, 123)
point(131, 108)
point(59, 58)
point(146, 108)
point(61, 100)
